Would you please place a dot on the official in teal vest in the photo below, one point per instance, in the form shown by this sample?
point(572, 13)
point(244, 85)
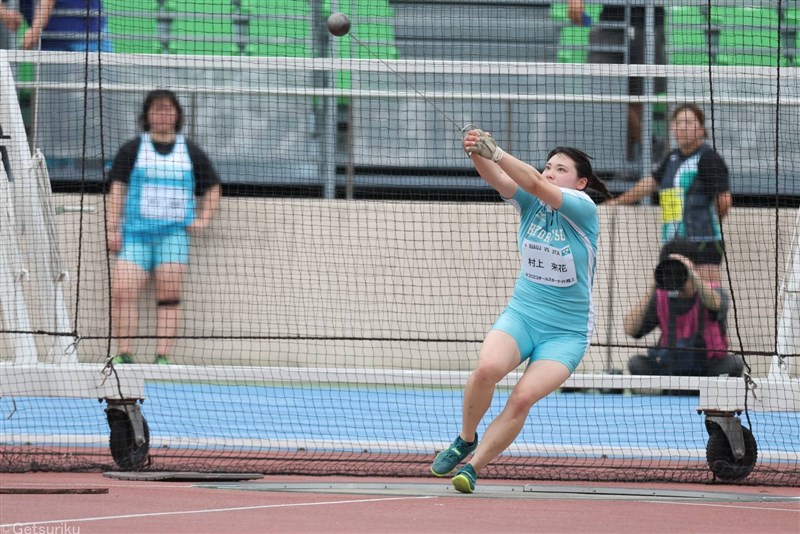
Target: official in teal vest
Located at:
point(693, 187)
point(163, 188)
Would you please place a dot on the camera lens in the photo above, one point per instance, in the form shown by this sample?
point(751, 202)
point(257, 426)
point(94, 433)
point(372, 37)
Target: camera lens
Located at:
point(671, 275)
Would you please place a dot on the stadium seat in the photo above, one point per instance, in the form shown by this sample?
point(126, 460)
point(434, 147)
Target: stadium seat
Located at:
point(199, 7)
point(684, 16)
point(132, 26)
point(275, 7)
point(271, 28)
point(757, 47)
point(681, 38)
point(130, 6)
point(746, 17)
point(202, 27)
point(748, 39)
point(686, 36)
point(374, 33)
point(208, 35)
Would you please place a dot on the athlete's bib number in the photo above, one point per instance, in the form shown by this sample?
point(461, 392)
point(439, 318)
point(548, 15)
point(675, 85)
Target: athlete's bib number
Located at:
point(671, 201)
point(164, 203)
point(548, 265)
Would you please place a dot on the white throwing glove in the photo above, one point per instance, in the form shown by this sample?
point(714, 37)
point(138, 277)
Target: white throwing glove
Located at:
point(486, 147)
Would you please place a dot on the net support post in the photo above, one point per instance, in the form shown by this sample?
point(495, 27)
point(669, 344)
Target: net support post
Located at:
point(788, 336)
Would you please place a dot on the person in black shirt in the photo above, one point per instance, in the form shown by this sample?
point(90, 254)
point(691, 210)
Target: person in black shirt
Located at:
point(616, 37)
point(694, 191)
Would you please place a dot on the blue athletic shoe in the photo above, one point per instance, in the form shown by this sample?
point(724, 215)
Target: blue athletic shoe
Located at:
point(448, 459)
point(465, 478)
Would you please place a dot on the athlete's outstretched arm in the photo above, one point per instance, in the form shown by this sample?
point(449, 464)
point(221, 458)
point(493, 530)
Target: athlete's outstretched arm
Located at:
point(493, 175)
point(500, 167)
point(532, 181)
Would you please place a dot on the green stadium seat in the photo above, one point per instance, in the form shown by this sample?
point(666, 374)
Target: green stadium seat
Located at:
point(112, 6)
point(202, 27)
point(684, 15)
point(203, 47)
point(748, 39)
point(132, 26)
point(748, 17)
point(792, 16)
point(286, 28)
point(207, 36)
point(275, 7)
point(132, 34)
point(199, 7)
point(374, 33)
point(679, 37)
point(278, 49)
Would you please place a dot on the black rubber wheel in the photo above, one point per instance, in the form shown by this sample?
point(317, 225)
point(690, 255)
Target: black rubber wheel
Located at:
point(721, 460)
point(126, 453)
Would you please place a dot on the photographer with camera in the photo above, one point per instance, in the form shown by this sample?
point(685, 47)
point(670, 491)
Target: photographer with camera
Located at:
point(691, 313)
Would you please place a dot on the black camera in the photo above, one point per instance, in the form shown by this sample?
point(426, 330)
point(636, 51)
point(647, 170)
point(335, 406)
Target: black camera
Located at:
point(671, 275)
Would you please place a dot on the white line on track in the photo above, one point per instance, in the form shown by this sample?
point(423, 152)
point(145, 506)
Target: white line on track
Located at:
point(210, 511)
point(735, 506)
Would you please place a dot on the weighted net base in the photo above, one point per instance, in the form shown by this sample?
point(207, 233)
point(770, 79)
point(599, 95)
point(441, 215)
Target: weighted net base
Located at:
point(180, 476)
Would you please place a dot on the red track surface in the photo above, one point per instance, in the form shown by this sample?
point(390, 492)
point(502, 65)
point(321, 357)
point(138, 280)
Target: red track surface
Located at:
point(176, 507)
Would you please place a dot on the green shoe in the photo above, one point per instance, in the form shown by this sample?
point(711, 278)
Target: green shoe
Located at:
point(448, 459)
point(122, 358)
point(464, 481)
point(161, 360)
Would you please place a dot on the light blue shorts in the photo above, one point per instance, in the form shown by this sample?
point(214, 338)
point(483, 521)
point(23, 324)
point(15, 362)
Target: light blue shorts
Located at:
point(538, 342)
point(148, 251)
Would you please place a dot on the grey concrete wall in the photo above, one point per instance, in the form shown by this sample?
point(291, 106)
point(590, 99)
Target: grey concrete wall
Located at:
point(408, 285)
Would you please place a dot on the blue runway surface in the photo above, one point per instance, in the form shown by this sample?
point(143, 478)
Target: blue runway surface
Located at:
point(384, 419)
